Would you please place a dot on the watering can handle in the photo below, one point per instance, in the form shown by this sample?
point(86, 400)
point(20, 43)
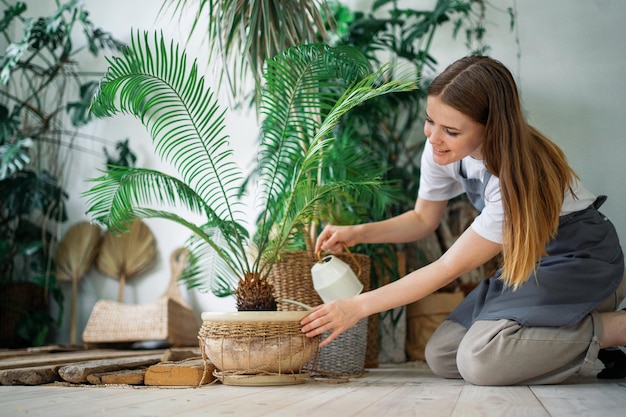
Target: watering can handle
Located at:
point(358, 266)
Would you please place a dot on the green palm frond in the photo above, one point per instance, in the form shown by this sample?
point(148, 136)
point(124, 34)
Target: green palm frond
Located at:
point(205, 261)
point(152, 82)
point(302, 85)
point(122, 188)
point(302, 208)
point(125, 193)
point(245, 35)
point(304, 175)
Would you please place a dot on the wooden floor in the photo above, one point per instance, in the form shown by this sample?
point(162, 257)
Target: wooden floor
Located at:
point(398, 390)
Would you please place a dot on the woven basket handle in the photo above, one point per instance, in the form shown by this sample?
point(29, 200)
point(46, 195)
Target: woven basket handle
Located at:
point(358, 266)
point(178, 261)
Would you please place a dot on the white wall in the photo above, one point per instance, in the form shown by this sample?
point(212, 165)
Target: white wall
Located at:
point(570, 70)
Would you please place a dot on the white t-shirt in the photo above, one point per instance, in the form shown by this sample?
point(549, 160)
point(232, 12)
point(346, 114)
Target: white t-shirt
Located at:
point(443, 182)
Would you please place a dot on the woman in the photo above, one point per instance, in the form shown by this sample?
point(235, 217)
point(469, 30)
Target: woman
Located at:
point(551, 307)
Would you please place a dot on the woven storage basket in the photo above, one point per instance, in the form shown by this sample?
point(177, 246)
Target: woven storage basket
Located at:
point(168, 319)
point(291, 278)
point(163, 320)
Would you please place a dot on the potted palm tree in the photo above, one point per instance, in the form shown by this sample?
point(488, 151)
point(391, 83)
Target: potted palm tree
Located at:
point(307, 89)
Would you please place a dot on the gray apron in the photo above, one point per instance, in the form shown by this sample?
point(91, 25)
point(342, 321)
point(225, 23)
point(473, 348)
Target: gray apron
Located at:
point(584, 266)
point(474, 187)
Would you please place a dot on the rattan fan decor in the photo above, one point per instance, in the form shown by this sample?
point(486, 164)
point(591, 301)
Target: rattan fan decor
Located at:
point(168, 319)
point(74, 256)
point(127, 254)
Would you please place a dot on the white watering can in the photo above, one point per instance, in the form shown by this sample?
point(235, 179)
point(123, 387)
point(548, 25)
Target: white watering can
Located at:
point(334, 279)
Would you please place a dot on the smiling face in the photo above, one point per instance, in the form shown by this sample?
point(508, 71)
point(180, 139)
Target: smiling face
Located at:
point(452, 134)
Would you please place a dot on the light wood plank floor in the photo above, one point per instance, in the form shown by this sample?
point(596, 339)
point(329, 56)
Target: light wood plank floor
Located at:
point(398, 390)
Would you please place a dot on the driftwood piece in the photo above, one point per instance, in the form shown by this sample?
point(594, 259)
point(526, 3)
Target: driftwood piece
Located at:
point(123, 377)
point(37, 375)
point(190, 373)
point(77, 372)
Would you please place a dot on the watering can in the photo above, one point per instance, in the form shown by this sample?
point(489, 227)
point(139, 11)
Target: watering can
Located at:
point(334, 279)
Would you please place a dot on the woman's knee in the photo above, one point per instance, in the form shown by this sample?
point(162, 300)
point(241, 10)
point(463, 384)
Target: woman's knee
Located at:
point(440, 350)
point(486, 353)
point(437, 362)
point(477, 371)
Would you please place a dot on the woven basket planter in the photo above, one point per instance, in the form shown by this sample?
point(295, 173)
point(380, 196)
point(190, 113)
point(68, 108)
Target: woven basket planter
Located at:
point(291, 278)
point(257, 348)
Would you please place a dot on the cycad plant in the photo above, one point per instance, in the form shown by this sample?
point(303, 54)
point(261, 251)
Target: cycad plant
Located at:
point(307, 89)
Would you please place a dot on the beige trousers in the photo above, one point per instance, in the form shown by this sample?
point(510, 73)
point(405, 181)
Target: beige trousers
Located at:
point(503, 352)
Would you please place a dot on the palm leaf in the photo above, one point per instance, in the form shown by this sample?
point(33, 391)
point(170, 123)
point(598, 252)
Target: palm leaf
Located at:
point(369, 87)
point(208, 260)
point(245, 35)
point(123, 256)
point(73, 258)
point(152, 82)
point(184, 120)
point(301, 86)
point(125, 193)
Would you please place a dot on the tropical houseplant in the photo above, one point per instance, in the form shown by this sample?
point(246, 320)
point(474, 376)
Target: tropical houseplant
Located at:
point(307, 89)
point(43, 100)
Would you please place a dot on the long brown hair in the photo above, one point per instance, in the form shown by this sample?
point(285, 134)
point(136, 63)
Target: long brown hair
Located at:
point(533, 171)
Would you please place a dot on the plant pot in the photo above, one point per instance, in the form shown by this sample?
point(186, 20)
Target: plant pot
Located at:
point(257, 348)
point(350, 352)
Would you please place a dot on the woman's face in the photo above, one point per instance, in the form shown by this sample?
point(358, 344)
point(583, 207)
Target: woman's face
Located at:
point(452, 134)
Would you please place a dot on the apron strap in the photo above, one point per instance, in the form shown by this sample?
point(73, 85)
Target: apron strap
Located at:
point(599, 201)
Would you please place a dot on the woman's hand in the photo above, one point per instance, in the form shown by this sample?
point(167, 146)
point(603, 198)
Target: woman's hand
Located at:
point(338, 316)
point(333, 238)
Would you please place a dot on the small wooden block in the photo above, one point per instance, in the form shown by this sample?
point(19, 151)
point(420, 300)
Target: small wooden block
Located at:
point(125, 377)
point(187, 373)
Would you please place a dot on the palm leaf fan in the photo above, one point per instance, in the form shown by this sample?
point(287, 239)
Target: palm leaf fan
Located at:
point(126, 254)
point(75, 254)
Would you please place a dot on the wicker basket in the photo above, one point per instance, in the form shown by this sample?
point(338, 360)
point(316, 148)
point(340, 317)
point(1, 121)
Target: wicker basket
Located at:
point(257, 347)
point(163, 320)
point(291, 278)
point(168, 319)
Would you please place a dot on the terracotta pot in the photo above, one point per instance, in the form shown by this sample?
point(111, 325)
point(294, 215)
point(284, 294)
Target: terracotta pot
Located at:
point(252, 343)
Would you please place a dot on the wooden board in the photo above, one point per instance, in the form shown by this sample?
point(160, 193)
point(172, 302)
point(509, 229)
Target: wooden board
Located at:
point(70, 357)
point(77, 373)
